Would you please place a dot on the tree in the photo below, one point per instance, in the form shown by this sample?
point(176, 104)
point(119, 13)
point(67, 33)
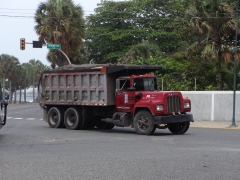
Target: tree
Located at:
point(140, 51)
point(116, 27)
point(209, 26)
point(36, 70)
point(179, 74)
point(61, 22)
point(9, 69)
point(111, 31)
point(156, 18)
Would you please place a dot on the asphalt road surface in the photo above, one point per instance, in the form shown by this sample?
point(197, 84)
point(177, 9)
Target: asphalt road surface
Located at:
point(31, 150)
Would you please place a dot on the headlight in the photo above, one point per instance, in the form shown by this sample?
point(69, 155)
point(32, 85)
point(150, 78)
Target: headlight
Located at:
point(186, 105)
point(159, 107)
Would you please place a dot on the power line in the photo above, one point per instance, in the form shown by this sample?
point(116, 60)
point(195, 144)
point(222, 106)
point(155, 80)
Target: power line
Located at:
point(17, 9)
point(15, 16)
point(16, 12)
point(27, 9)
point(109, 12)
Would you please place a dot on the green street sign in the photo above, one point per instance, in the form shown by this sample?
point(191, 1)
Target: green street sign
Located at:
point(54, 46)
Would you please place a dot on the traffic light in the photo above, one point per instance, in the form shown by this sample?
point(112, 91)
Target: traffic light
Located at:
point(22, 43)
point(37, 44)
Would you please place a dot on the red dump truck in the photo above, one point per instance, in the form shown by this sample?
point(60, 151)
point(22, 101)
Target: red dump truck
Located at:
point(107, 95)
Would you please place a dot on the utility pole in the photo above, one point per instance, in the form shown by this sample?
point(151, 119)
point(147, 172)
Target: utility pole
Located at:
point(235, 70)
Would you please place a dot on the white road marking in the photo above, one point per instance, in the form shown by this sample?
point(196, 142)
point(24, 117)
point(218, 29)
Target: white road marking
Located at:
point(30, 119)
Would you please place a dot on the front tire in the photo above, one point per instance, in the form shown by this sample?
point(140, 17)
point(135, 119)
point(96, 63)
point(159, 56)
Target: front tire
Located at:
point(143, 123)
point(55, 118)
point(73, 119)
point(179, 128)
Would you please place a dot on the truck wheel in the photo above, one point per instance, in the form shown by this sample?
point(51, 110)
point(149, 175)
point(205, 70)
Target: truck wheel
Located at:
point(73, 119)
point(179, 128)
point(143, 123)
point(55, 117)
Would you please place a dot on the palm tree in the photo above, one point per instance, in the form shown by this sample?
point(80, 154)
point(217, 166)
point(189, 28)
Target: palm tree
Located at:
point(13, 73)
point(27, 68)
point(9, 70)
point(209, 25)
point(36, 70)
point(60, 22)
point(34, 73)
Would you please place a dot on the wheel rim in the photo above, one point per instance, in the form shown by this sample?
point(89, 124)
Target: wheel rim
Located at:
point(54, 118)
point(71, 120)
point(143, 123)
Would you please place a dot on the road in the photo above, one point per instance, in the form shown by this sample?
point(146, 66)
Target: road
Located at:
point(31, 150)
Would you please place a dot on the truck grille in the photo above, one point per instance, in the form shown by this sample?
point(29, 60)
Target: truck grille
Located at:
point(173, 103)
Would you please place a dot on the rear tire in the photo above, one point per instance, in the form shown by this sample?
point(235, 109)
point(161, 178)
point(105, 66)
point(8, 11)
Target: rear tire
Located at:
point(143, 123)
point(55, 118)
point(73, 119)
point(179, 128)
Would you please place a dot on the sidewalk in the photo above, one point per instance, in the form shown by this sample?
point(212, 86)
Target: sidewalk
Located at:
point(215, 124)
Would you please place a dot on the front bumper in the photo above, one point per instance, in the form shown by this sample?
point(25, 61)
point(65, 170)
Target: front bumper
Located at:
point(173, 119)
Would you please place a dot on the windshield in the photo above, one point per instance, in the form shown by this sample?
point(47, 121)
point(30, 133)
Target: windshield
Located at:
point(145, 84)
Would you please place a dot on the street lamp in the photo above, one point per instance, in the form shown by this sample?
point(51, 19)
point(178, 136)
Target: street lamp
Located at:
point(235, 69)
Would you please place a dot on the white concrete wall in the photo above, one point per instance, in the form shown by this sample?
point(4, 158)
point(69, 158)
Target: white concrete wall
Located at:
point(214, 105)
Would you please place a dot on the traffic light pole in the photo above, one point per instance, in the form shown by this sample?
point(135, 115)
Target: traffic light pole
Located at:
point(39, 44)
point(65, 56)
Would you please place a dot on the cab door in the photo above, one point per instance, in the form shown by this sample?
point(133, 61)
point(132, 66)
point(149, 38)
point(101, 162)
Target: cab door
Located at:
point(124, 98)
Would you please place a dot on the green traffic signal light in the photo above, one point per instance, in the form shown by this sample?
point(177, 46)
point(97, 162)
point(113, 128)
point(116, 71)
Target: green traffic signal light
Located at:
point(22, 43)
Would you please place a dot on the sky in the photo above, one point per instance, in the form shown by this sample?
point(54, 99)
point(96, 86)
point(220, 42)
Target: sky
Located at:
point(14, 27)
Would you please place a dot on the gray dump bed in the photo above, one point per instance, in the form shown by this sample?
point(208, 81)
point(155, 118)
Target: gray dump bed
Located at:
point(87, 84)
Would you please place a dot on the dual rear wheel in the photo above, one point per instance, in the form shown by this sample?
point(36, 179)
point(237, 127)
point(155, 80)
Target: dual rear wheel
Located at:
point(72, 118)
point(55, 117)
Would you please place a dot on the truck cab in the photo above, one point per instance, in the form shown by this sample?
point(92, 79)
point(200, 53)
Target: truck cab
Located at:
point(139, 94)
point(129, 88)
